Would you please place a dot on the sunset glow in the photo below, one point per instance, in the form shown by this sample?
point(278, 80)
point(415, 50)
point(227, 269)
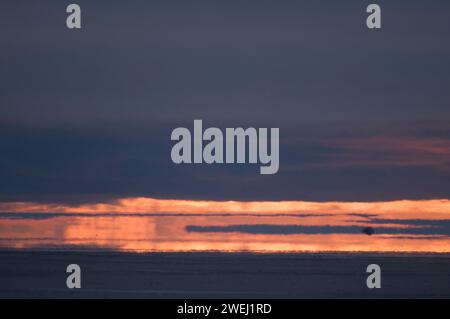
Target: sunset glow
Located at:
point(406, 208)
point(147, 224)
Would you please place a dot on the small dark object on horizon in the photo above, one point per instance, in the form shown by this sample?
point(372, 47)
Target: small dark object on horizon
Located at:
point(368, 231)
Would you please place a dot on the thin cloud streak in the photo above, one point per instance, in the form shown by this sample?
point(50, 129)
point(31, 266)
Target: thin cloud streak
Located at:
point(381, 151)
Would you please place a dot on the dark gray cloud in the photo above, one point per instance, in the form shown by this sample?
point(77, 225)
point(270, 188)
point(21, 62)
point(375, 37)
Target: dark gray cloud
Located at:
point(440, 228)
point(277, 61)
point(101, 162)
point(86, 115)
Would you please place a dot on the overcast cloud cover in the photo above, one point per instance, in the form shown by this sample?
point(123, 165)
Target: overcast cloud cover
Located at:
point(87, 114)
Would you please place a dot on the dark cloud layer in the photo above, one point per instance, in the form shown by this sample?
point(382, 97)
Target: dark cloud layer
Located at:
point(86, 115)
point(278, 61)
point(441, 228)
point(99, 163)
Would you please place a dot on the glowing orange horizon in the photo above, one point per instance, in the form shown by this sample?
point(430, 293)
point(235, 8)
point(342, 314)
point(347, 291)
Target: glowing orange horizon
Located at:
point(169, 233)
point(432, 209)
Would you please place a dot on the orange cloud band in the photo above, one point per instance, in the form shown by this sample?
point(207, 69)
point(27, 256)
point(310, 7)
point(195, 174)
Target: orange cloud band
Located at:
point(430, 209)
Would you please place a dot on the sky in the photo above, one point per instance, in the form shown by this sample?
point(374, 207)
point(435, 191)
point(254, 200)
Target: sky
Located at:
point(148, 225)
point(86, 115)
